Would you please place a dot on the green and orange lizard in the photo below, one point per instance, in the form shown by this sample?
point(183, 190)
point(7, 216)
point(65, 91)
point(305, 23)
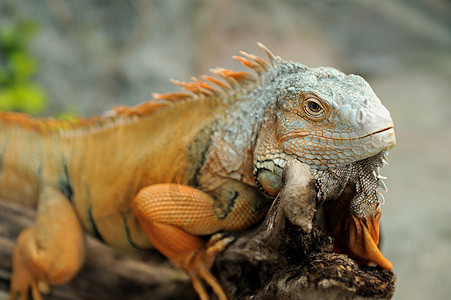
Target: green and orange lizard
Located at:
point(170, 171)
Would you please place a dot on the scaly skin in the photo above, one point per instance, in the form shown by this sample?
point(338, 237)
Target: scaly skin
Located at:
point(186, 164)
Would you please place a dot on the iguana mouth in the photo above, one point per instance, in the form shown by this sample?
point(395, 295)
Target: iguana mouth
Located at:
point(303, 134)
point(378, 132)
point(382, 130)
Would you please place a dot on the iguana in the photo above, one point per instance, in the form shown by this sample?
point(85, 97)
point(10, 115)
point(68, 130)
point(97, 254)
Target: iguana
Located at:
point(171, 171)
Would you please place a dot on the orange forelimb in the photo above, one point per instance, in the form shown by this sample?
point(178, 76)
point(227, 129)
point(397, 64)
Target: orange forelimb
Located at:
point(172, 215)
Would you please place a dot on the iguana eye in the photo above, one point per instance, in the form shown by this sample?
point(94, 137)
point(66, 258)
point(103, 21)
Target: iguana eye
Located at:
point(313, 108)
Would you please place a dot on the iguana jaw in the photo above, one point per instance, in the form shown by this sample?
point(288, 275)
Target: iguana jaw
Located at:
point(332, 151)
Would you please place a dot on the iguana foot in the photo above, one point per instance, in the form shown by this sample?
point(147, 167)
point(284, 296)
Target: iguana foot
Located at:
point(22, 279)
point(199, 264)
point(49, 253)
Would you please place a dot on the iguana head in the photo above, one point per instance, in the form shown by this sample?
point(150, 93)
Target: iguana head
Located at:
point(321, 117)
point(337, 125)
point(327, 119)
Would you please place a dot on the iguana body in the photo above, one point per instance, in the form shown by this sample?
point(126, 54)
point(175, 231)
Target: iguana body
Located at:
point(184, 165)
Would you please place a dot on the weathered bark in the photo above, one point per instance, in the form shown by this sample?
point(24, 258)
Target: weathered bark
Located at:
point(285, 257)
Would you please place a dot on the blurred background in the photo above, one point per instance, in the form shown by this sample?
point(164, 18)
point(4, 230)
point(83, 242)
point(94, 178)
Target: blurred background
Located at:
point(78, 58)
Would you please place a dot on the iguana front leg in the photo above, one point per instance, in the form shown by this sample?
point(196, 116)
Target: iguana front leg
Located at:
point(49, 253)
point(173, 216)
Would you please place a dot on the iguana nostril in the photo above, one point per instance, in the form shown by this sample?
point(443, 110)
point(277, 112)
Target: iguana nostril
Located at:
point(361, 116)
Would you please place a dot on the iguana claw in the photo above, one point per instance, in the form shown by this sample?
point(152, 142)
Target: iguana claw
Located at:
point(198, 267)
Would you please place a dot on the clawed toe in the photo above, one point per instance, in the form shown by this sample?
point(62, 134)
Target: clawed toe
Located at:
point(217, 243)
point(198, 265)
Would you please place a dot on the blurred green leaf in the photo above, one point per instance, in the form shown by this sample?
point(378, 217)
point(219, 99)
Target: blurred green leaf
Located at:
point(68, 116)
point(18, 91)
point(27, 28)
point(27, 97)
point(6, 100)
point(31, 98)
point(10, 42)
point(23, 66)
point(3, 76)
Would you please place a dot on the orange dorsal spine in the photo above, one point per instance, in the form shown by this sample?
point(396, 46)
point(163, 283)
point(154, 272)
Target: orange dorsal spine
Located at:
point(225, 87)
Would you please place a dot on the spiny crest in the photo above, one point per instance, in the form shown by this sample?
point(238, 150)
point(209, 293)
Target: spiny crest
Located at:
point(46, 125)
point(49, 125)
point(229, 82)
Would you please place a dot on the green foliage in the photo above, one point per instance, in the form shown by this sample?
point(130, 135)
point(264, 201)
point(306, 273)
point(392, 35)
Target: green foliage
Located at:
point(68, 116)
point(18, 91)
